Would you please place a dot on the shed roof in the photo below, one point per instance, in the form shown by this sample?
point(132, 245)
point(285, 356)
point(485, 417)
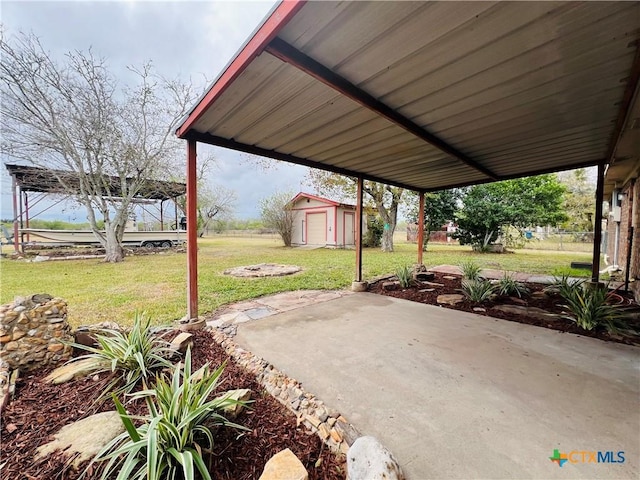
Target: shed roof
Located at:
point(319, 199)
point(432, 95)
point(44, 180)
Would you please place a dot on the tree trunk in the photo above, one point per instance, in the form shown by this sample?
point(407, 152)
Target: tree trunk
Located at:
point(112, 248)
point(387, 239)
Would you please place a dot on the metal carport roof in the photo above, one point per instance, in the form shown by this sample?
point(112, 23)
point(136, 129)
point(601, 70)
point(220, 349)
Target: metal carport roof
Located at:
point(431, 95)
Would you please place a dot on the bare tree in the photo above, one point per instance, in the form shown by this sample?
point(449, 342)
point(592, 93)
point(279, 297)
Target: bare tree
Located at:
point(71, 116)
point(214, 201)
point(277, 214)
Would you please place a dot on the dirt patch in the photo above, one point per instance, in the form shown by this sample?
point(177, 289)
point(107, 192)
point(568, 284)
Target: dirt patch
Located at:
point(451, 284)
point(39, 410)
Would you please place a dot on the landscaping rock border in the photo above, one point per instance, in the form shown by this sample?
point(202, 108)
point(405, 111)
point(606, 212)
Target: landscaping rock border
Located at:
point(334, 429)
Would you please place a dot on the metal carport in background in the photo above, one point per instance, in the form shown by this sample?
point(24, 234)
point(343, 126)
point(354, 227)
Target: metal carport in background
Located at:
point(428, 95)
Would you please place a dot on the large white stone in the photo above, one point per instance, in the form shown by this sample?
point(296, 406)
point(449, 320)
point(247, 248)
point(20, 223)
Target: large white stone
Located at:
point(85, 437)
point(368, 459)
point(284, 465)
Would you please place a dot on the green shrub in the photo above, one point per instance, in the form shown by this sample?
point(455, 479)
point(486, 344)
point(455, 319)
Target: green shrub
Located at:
point(172, 438)
point(133, 356)
point(470, 270)
point(405, 276)
point(373, 235)
point(509, 286)
point(590, 306)
point(478, 290)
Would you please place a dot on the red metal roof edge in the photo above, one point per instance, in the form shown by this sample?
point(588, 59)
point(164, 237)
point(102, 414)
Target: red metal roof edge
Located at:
point(269, 29)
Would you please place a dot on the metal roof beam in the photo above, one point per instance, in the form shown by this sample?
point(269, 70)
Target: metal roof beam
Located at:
point(289, 54)
point(263, 152)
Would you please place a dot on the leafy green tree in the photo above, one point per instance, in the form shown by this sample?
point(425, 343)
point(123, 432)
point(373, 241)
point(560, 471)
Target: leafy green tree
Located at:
point(439, 208)
point(579, 201)
point(525, 202)
point(385, 198)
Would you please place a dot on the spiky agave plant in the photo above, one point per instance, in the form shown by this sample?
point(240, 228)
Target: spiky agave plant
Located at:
point(134, 355)
point(171, 439)
point(405, 276)
point(479, 290)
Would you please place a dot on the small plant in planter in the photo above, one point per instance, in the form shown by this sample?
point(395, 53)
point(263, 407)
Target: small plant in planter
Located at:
point(478, 290)
point(470, 270)
point(405, 276)
point(510, 287)
point(170, 441)
point(134, 356)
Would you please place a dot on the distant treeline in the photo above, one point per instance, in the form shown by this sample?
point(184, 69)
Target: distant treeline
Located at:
point(53, 224)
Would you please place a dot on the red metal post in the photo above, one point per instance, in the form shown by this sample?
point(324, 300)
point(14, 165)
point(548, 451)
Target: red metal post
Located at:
point(597, 234)
point(192, 233)
point(359, 232)
point(420, 226)
point(14, 192)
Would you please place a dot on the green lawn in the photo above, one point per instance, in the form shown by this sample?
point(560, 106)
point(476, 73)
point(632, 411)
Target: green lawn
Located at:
point(156, 284)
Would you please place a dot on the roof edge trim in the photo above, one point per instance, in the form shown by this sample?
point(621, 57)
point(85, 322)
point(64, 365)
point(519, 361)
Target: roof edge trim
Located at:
point(278, 18)
point(532, 173)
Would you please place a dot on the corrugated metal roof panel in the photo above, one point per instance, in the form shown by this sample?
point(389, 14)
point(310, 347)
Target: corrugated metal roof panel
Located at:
point(516, 87)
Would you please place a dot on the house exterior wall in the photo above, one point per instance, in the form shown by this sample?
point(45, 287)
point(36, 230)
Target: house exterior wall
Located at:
point(629, 217)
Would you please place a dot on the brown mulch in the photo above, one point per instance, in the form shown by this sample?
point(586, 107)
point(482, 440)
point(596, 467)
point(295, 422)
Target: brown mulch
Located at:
point(39, 410)
point(549, 303)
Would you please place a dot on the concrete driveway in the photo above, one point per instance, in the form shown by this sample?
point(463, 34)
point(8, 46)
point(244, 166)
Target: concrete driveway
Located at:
point(457, 395)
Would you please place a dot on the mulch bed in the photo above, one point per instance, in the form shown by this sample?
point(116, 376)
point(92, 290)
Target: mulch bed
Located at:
point(553, 304)
point(39, 410)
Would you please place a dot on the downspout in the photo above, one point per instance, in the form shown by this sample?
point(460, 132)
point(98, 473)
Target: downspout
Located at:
point(630, 232)
point(616, 238)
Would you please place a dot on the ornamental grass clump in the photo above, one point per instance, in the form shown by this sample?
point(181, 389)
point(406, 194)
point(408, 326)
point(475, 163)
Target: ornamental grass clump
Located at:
point(170, 442)
point(509, 286)
point(478, 290)
point(590, 307)
point(470, 270)
point(133, 356)
point(405, 276)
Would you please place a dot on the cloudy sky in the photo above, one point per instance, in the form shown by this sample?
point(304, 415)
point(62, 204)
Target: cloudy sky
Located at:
point(182, 38)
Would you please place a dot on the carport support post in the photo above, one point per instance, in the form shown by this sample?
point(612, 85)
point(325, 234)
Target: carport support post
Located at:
point(597, 234)
point(359, 232)
point(420, 226)
point(192, 233)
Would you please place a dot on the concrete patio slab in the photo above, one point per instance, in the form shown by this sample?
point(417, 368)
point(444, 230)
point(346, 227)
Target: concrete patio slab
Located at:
point(457, 395)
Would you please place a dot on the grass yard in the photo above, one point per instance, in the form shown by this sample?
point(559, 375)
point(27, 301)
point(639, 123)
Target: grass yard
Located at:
point(156, 284)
